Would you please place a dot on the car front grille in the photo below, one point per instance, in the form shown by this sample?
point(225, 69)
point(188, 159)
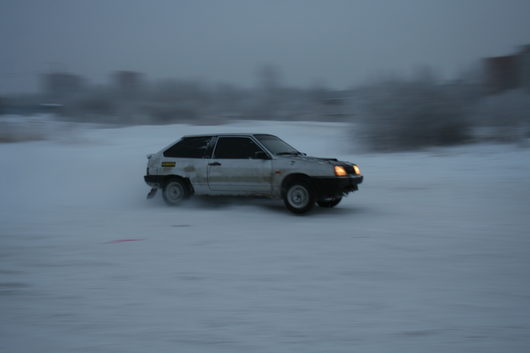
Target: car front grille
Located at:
point(349, 169)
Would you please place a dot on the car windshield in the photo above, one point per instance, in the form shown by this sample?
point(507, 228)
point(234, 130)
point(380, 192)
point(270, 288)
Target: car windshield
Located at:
point(276, 145)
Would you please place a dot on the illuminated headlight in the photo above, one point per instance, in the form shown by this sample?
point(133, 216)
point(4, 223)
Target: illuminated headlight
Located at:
point(356, 169)
point(340, 171)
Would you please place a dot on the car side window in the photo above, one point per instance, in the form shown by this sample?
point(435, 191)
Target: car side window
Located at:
point(190, 147)
point(236, 148)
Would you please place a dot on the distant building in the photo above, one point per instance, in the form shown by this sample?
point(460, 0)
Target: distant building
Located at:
point(59, 86)
point(524, 60)
point(501, 73)
point(508, 72)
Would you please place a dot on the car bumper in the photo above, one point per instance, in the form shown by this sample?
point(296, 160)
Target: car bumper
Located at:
point(336, 186)
point(154, 181)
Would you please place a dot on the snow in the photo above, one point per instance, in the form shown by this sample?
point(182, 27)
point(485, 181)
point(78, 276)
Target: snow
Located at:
point(431, 255)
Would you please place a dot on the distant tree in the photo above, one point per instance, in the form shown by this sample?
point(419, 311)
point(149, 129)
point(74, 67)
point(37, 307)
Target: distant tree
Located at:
point(270, 98)
point(503, 117)
point(269, 77)
point(402, 114)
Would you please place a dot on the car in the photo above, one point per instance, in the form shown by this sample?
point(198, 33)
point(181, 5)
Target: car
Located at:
point(253, 164)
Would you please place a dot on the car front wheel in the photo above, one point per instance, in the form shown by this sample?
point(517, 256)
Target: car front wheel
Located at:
point(299, 197)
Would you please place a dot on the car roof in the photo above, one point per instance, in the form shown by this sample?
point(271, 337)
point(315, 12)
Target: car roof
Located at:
point(227, 134)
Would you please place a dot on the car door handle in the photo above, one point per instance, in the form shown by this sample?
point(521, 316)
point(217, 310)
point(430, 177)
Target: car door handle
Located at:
point(214, 164)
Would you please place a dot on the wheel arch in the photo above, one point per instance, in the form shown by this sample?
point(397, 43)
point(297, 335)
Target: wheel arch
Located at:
point(292, 178)
point(167, 178)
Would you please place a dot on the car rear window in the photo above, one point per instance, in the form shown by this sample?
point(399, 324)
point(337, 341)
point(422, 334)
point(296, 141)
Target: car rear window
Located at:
point(189, 147)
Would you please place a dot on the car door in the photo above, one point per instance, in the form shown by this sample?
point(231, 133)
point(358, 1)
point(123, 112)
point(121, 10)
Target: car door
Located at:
point(239, 166)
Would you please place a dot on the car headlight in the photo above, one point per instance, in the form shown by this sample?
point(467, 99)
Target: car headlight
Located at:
point(340, 171)
point(356, 170)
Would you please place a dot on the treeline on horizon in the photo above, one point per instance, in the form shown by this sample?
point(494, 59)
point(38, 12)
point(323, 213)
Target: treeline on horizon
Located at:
point(392, 113)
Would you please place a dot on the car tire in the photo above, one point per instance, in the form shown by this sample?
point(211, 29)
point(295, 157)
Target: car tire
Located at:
point(175, 191)
point(329, 203)
point(299, 197)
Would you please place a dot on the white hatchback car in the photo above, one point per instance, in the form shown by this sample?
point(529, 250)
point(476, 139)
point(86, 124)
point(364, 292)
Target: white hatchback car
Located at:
point(259, 165)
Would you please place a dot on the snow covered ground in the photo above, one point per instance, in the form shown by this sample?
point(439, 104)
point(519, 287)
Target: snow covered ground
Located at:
point(431, 255)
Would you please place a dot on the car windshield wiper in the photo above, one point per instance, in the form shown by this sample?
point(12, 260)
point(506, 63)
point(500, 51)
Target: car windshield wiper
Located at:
point(289, 153)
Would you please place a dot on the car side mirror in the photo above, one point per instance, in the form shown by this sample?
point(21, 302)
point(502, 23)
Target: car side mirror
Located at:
point(260, 155)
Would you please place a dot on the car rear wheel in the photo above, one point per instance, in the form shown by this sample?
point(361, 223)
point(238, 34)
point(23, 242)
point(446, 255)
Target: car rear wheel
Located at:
point(299, 197)
point(175, 191)
point(329, 202)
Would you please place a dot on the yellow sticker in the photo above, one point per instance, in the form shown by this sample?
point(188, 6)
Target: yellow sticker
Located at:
point(168, 164)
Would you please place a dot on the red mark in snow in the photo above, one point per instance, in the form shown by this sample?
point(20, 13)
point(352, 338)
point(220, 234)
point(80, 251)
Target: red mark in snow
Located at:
point(122, 241)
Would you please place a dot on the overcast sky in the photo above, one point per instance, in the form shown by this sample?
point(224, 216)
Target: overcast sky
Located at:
point(338, 43)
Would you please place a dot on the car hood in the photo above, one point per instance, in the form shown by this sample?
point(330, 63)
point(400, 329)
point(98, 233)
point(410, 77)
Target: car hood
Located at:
point(330, 161)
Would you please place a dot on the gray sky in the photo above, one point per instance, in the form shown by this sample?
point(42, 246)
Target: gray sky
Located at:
point(336, 42)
